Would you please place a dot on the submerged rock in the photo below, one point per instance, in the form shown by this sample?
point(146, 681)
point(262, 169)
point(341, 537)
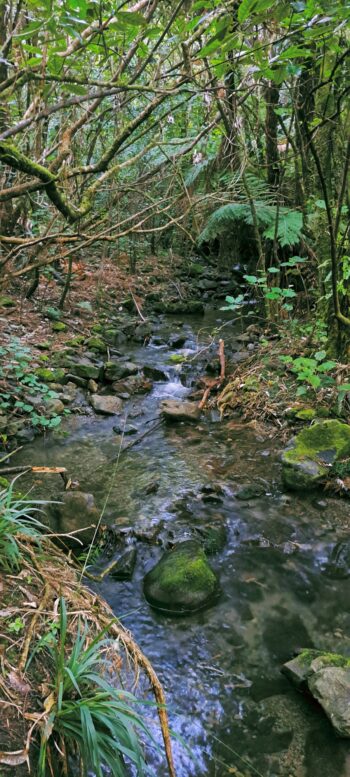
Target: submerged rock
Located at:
point(106, 405)
point(75, 510)
point(307, 460)
point(327, 677)
point(182, 581)
point(175, 410)
point(338, 566)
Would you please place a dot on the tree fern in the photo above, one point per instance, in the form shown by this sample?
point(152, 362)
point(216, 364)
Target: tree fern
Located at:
point(289, 225)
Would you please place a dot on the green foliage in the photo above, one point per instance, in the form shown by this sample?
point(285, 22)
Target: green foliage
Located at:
point(87, 716)
point(17, 518)
point(223, 220)
point(312, 371)
point(272, 293)
point(15, 369)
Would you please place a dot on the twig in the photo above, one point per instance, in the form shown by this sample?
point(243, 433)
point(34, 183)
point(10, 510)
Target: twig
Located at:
point(215, 383)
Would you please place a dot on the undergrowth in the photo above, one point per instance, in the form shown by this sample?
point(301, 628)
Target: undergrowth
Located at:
point(63, 656)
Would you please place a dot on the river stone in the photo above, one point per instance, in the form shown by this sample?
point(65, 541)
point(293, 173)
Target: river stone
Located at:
point(307, 460)
point(106, 405)
point(85, 369)
point(75, 510)
point(175, 410)
point(53, 407)
point(331, 687)
point(182, 581)
point(154, 373)
point(119, 370)
point(327, 676)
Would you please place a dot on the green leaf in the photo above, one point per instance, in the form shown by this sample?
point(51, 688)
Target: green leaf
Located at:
point(326, 366)
point(250, 278)
point(248, 7)
point(320, 355)
point(288, 293)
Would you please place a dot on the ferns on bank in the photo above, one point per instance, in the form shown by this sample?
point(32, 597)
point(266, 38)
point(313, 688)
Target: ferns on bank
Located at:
point(221, 222)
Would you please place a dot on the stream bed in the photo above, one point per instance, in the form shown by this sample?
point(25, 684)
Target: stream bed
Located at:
point(220, 667)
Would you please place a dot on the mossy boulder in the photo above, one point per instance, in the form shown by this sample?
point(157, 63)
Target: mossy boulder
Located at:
point(182, 581)
point(118, 370)
point(85, 369)
point(327, 677)
point(96, 344)
point(308, 459)
point(49, 375)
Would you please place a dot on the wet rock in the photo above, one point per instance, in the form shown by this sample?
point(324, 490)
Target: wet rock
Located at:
point(308, 459)
point(327, 676)
point(106, 405)
point(177, 341)
point(126, 430)
point(182, 581)
point(214, 537)
point(85, 369)
point(250, 491)
point(135, 384)
point(27, 434)
point(115, 371)
point(93, 386)
point(331, 687)
point(154, 373)
point(338, 566)
point(175, 410)
point(81, 382)
point(143, 331)
point(53, 407)
point(75, 510)
point(120, 565)
point(152, 487)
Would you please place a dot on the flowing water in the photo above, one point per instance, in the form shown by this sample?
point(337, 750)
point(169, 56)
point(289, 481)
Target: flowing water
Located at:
point(220, 667)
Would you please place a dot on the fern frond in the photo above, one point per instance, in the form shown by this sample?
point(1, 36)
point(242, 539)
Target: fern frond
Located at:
point(289, 227)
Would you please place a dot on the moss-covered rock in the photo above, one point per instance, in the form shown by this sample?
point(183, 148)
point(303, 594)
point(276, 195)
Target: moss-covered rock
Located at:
point(96, 344)
point(50, 375)
point(58, 326)
point(182, 581)
point(75, 342)
point(327, 677)
point(85, 369)
point(309, 457)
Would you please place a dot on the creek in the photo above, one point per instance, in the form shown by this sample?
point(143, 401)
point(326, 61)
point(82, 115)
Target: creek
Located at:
point(220, 667)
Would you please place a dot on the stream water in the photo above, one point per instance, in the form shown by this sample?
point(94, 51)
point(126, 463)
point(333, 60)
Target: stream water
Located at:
point(220, 667)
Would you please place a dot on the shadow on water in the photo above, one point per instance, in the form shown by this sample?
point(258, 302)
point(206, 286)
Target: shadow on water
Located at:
point(221, 667)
